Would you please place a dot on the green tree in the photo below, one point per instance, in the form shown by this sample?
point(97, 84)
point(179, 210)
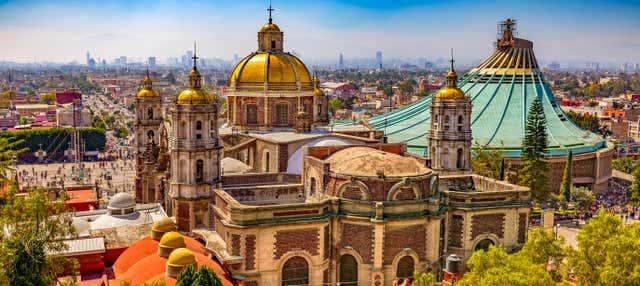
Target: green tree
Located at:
point(565, 186)
point(335, 104)
point(405, 88)
point(23, 121)
point(97, 122)
point(36, 226)
point(120, 131)
point(487, 162)
point(534, 145)
point(496, 267)
point(9, 149)
point(423, 279)
point(204, 276)
point(582, 198)
point(634, 189)
point(48, 98)
point(624, 164)
point(608, 252)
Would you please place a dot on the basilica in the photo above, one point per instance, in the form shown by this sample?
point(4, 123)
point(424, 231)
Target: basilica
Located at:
point(279, 197)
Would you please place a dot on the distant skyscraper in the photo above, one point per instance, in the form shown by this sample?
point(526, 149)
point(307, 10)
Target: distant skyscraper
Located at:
point(88, 59)
point(152, 62)
point(90, 62)
point(340, 62)
point(188, 56)
point(379, 59)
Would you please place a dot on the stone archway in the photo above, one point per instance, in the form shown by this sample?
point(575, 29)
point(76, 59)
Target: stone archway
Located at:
point(348, 270)
point(484, 244)
point(295, 271)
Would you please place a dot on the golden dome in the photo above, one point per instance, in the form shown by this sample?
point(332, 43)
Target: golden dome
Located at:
point(318, 92)
point(270, 27)
point(147, 93)
point(172, 239)
point(164, 225)
point(194, 96)
point(181, 257)
point(452, 73)
point(279, 71)
point(450, 93)
point(194, 72)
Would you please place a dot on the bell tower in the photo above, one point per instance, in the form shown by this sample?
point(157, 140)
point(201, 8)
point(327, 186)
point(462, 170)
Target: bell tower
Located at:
point(148, 112)
point(450, 131)
point(195, 155)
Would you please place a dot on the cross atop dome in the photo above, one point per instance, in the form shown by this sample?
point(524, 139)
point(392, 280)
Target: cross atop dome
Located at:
point(195, 56)
point(270, 10)
point(451, 60)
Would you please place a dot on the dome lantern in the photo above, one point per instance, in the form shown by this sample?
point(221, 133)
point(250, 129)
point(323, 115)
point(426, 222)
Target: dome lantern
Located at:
point(147, 87)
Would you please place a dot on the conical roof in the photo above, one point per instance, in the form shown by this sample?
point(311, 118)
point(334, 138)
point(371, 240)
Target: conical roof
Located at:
point(501, 88)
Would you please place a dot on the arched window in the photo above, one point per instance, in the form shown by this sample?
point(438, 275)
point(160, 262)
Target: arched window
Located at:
point(273, 45)
point(459, 159)
point(348, 270)
point(312, 187)
point(198, 125)
point(183, 130)
point(252, 114)
point(446, 123)
point(435, 122)
point(295, 271)
point(459, 123)
point(182, 167)
point(199, 171)
point(405, 268)
point(150, 113)
point(483, 245)
point(150, 136)
point(282, 114)
point(320, 109)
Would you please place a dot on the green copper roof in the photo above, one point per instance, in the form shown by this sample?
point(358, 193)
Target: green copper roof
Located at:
point(502, 89)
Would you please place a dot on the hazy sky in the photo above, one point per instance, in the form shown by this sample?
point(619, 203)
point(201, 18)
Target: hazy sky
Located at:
point(64, 31)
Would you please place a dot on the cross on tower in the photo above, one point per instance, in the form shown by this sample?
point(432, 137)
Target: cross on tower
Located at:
point(195, 57)
point(452, 61)
point(270, 10)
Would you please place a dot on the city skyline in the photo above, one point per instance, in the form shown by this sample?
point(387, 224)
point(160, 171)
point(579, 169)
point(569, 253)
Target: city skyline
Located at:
point(320, 31)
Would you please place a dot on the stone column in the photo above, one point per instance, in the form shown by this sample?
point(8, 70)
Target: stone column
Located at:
point(378, 244)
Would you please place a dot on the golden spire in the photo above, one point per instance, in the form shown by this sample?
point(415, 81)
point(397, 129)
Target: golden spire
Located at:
point(147, 87)
point(147, 81)
point(452, 77)
point(451, 91)
point(270, 10)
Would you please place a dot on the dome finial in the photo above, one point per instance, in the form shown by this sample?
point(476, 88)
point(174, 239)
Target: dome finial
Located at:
point(195, 56)
point(270, 10)
point(452, 61)
point(452, 77)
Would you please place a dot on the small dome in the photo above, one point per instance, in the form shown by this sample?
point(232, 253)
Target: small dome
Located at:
point(233, 166)
point(194, 96)
point(147, 93)
point(366, 161)
point(181, 257)
point(122, 201)
point(318, 92)
point(172, 239)
point(270, 27)
point(194, 72)
point(165, 224)
point(450, 93)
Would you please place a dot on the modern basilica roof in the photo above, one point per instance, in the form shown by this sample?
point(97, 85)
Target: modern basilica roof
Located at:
point(502, 88)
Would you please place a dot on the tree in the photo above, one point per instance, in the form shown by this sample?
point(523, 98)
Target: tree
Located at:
point(496, 267)
point(405, 88)
point(534, 145)
point(582, 198)
point(634, 189)
point(335, 104)
point(204, 276)
point(23, 121)
point(423, 279)
point(120, 131)
point(97, 122)
point(565, 186)
point(487, 162)
point(608, 252)
point(36, 226)
point(9, 149)
point(48, 98)
point(624, 164)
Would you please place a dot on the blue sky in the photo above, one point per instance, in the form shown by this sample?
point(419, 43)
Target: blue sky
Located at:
point(318, 30)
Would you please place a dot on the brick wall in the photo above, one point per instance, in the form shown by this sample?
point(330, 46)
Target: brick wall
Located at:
point(405, 194)
point(487, 224)
point(360, 238)
point(183, 216)
point(250, 251)
point(522, 227)
point(300, 239)
point(398, 238)
point(235, 244)
point(455, 231)
point(352, 193)
point(250, 283)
